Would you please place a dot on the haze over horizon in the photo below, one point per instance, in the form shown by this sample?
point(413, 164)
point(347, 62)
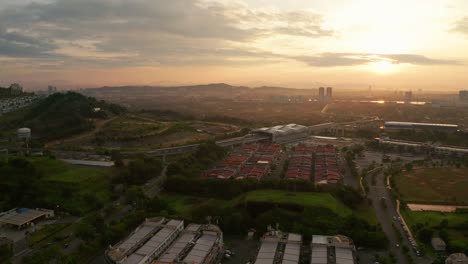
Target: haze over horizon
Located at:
point(298, 43)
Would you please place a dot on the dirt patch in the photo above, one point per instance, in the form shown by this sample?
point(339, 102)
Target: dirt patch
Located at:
point(434, 207)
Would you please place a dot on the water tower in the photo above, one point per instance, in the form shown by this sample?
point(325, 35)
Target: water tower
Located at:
point(24, 134)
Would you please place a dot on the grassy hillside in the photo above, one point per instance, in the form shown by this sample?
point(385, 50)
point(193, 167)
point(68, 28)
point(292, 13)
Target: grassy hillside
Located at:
point(60, 115)
point(45, 182)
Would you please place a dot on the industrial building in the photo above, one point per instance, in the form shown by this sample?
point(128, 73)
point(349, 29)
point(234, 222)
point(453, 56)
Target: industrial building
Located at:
point(160, 240)
point(284, 133)
point(23, 217)
point(198, 244)
point(146, 243)
point(332, 250)
point(278, 247)
point(427, 126)
point(287, 248)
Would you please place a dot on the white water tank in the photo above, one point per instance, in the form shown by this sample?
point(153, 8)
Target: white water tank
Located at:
point(24, 133)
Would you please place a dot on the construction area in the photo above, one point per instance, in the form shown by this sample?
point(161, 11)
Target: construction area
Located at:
point(165, 241)
point(288, 248)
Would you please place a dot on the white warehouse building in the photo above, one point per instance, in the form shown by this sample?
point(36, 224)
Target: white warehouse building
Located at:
point(284, 133)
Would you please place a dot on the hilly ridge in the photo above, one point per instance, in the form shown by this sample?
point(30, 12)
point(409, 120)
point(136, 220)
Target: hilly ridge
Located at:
point(61, 115)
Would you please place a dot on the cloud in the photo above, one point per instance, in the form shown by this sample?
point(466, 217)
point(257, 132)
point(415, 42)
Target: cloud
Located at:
point(351, 59)
point(461, 26)
point(138, 32)
point(14, 44)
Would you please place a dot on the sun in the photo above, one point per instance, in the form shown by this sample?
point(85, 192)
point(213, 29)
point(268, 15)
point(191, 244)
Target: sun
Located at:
point(383, 67)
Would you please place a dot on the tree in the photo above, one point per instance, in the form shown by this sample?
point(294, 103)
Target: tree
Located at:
point(425, 234)
point(409, 166)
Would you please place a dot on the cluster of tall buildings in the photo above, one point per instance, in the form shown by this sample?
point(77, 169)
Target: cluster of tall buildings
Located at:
point(325, 97)
point(463, 95)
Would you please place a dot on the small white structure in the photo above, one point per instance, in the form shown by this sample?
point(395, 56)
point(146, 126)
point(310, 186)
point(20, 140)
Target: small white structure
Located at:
point(24, 133)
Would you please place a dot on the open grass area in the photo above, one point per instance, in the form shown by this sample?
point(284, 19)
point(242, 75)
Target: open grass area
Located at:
point(433, 219)
point(77, 189)
point(182, 204)
point(72, 187)
point(305, 199)
point(434, 185)
point(456, 228)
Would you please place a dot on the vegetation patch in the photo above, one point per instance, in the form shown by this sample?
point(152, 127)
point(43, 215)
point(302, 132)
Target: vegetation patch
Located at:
point(303, 199)
point(434, 185)
point(46, 182)
point(451, 227)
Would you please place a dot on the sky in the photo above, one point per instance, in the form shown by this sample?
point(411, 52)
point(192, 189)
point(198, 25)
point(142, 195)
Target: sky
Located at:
point(386, 44)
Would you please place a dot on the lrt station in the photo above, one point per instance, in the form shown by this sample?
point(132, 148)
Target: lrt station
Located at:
point(165, 241)
point(277, 247)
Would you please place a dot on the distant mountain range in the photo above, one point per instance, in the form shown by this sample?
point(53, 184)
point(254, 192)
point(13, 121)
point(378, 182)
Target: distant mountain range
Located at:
point(215, 88)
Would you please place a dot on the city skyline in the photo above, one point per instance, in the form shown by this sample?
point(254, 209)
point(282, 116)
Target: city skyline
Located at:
point(303, 44)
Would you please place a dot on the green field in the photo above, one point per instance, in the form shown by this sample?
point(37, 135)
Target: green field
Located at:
point(436, 185)
point(74, 188)
point(304, 199)
point(183, 203)
point(457, 227)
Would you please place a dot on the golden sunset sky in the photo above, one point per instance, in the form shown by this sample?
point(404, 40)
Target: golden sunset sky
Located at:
point(397, 44)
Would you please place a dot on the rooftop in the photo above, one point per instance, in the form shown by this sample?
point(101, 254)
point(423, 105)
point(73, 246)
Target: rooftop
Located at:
point(22, 216)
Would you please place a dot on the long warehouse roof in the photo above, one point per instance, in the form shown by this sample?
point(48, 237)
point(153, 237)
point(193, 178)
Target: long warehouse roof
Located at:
point(171, 254)
point(154, 243)
point(267, 252)
point(202, 248)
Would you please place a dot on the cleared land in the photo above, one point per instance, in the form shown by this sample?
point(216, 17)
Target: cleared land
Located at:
point(434, 185)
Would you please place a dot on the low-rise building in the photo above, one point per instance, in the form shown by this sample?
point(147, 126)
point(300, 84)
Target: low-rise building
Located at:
point(165, 241)
point(23, 217)
point(438, 244)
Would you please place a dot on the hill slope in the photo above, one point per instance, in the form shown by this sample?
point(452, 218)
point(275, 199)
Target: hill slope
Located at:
point(61, 115)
